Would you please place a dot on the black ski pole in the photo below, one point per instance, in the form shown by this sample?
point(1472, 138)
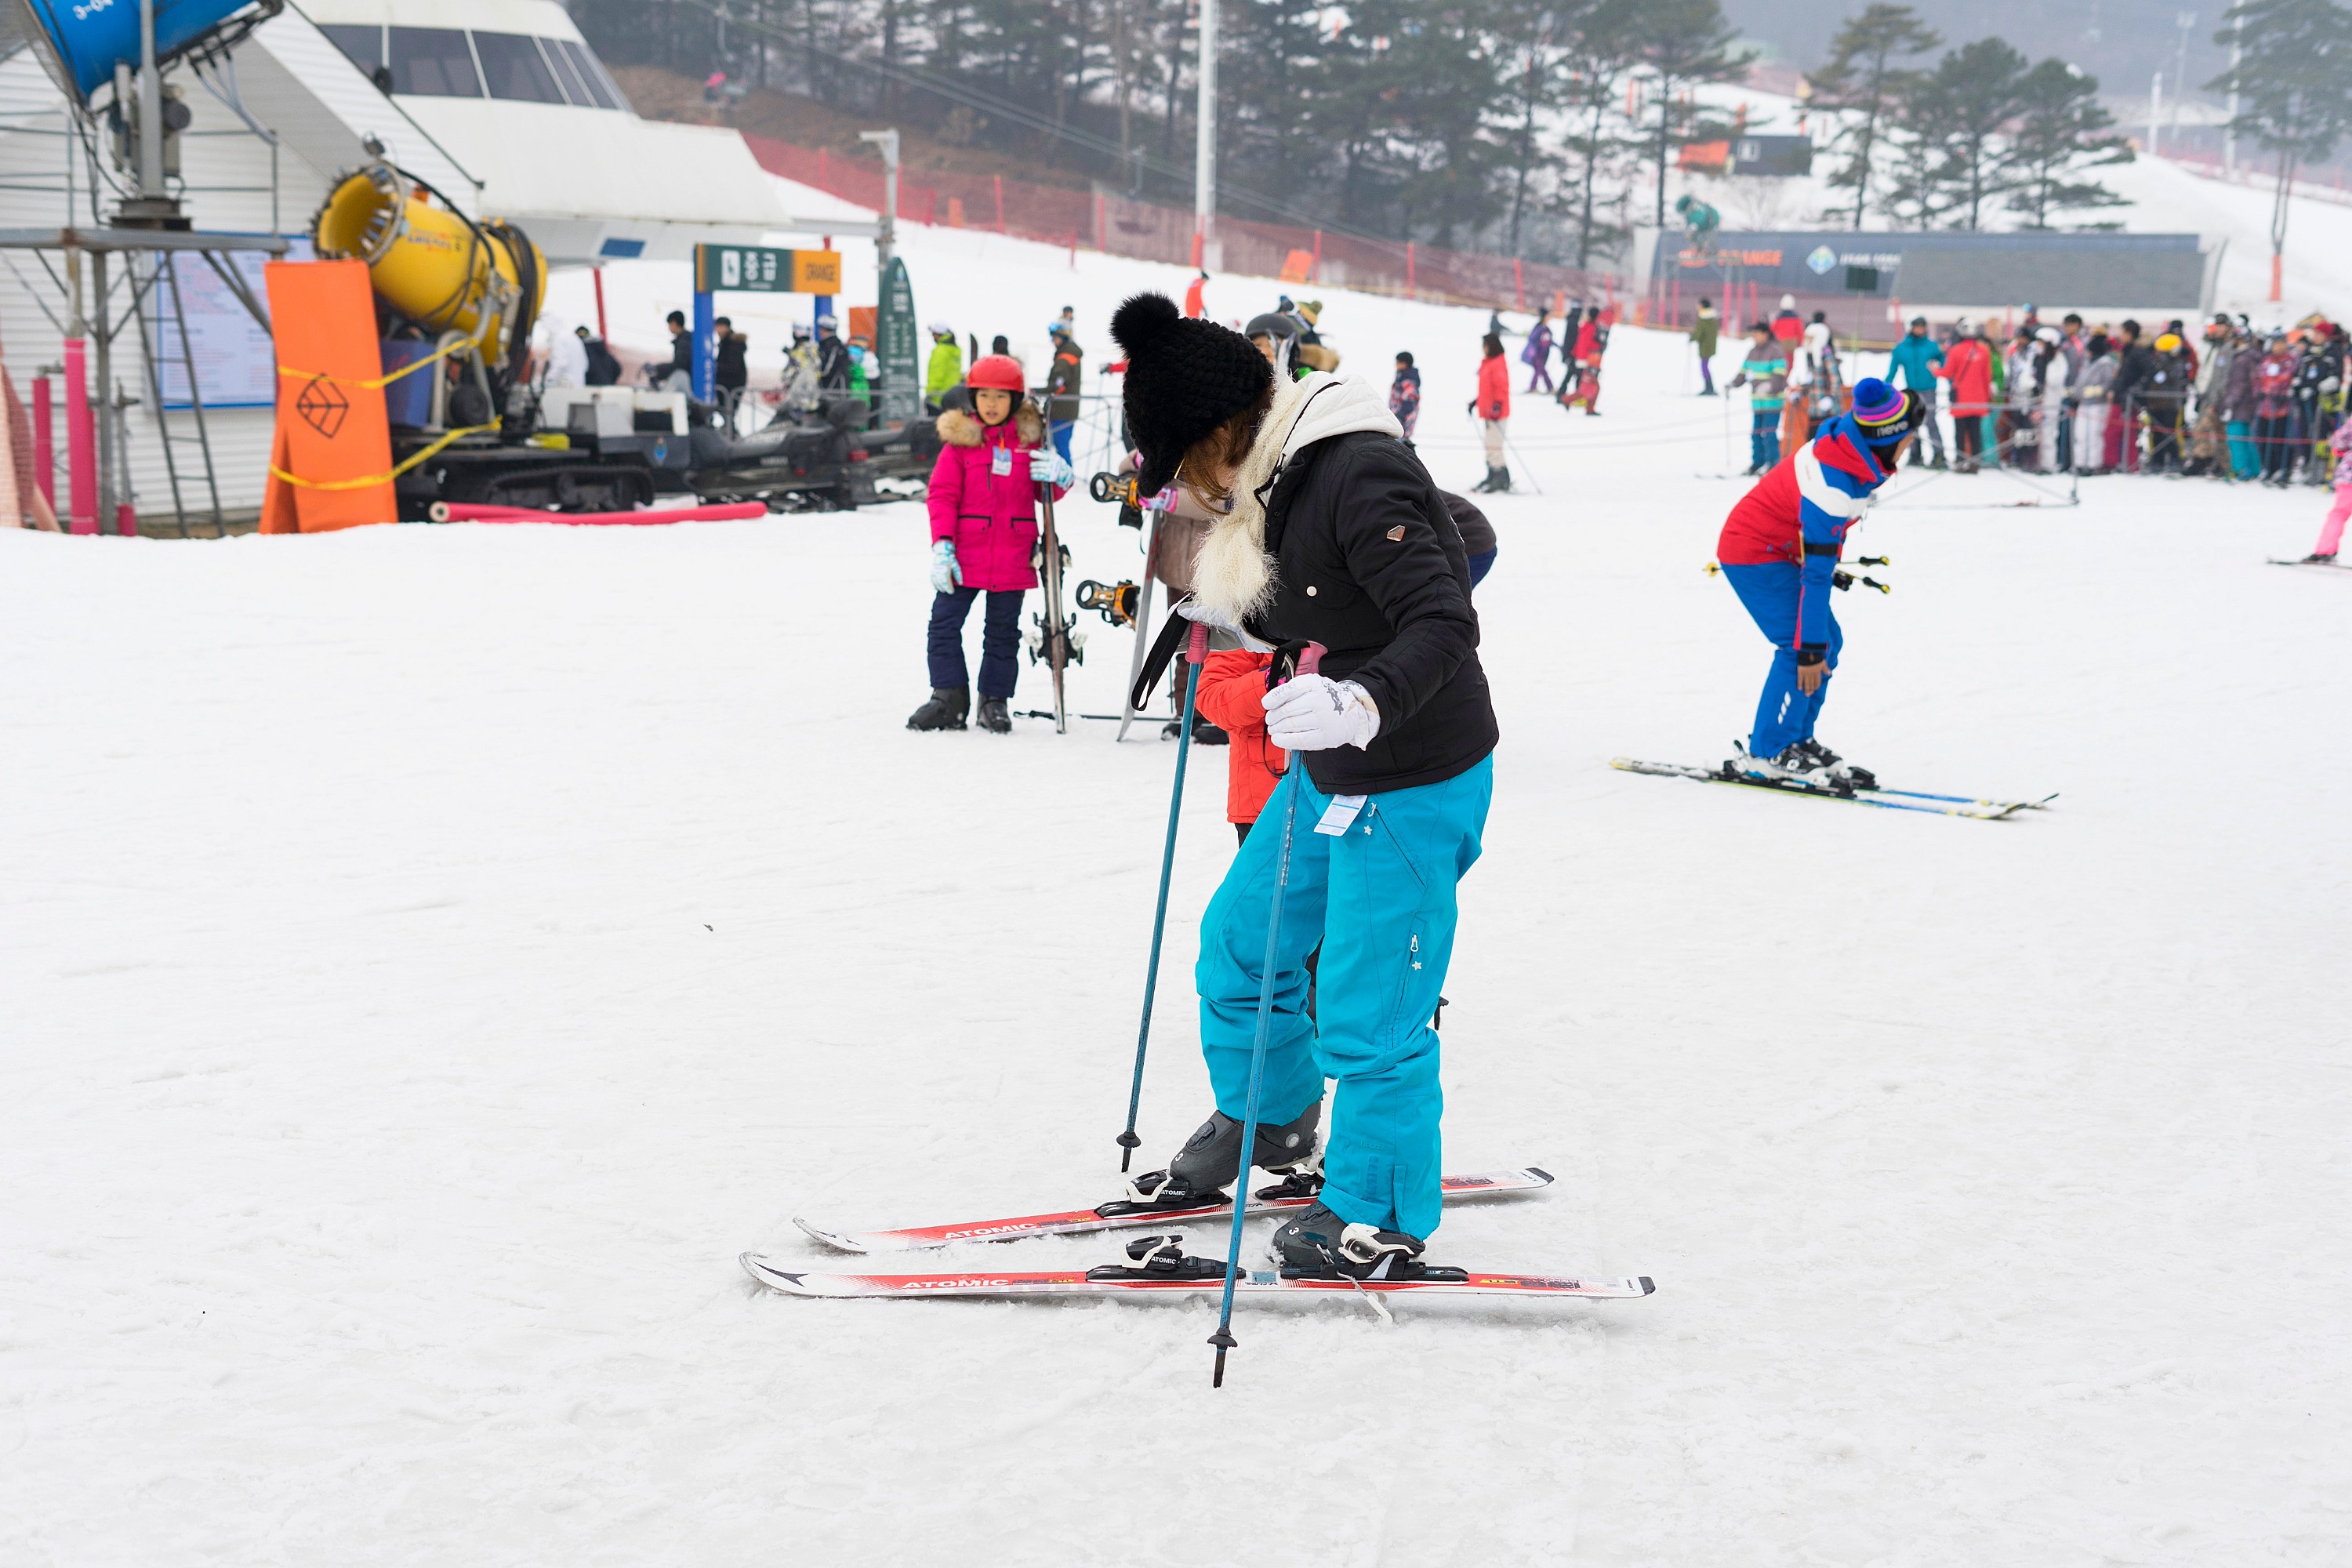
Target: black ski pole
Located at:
point(1223, 1338)
point(1196, 649)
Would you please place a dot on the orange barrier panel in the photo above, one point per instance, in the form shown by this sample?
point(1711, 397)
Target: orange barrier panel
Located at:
point(333, 448)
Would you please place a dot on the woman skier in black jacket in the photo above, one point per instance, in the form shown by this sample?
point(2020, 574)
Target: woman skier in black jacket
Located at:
point(1329, 531)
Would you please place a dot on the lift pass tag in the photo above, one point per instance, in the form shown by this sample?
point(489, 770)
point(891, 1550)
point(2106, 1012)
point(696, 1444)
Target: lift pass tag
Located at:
point(1341, 814)
point(1000, 461)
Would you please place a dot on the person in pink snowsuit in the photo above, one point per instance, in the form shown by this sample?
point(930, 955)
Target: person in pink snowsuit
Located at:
point(2331, 532)
point(983, 506)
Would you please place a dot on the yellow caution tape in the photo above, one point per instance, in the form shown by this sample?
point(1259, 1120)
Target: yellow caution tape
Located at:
point(398, 468)
point(379, 382)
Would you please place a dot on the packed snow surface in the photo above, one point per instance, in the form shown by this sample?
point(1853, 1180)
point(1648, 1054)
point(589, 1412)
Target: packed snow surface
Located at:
point(431, 954)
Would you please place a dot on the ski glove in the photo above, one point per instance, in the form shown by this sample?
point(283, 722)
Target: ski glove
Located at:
point(1193, 610)
point(1310, 713)
point(1048, 467)
point(946, 576)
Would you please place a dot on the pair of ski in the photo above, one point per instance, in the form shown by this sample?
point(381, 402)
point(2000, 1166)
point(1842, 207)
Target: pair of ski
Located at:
point(2327, 566)
point(1160, 1267)
point(1885, 799)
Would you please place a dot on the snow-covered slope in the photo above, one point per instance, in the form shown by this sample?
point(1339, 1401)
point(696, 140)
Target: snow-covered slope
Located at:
point(2318, 271)
point(432, 953)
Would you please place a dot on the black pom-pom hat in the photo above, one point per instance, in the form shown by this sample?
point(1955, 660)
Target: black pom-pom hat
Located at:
point(1184, 378)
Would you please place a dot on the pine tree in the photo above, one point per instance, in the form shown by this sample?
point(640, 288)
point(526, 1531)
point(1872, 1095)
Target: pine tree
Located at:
point(1449, 91)
point(1862, 80)
point(2294, 80)
point(2060, 130)
point(1954, 121)
point(1682, 44)
point(1596, 55)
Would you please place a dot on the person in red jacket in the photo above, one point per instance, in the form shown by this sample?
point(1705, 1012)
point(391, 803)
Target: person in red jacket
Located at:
point(1493, 406)
point(1592, 342)
point(1968, 365)
point(1232, 697)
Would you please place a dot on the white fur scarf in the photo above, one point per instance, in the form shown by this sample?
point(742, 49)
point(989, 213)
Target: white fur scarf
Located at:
point(1233, 577)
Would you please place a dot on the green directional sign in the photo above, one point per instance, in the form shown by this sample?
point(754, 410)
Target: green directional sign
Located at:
point(897, 345)
point(762, 270)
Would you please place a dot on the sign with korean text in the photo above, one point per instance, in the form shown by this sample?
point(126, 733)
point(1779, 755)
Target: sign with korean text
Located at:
point(762, 270)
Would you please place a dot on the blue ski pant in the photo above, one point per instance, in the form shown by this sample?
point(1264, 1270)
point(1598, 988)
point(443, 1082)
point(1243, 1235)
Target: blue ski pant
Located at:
point(1379, 898)
point(1764, 438)
point(1784, 715)
point(2244, 461)
point(1000, 640)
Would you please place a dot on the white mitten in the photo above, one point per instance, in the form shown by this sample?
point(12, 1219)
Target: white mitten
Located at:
point(946, 576)
point(1047, 466)
point(1310, 713)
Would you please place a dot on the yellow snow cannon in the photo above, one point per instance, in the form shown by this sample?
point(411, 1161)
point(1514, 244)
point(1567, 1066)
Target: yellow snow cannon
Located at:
point(434, 266)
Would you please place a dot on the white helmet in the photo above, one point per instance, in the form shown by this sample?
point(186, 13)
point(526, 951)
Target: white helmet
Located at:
point(941, 329)
point(1788, 302)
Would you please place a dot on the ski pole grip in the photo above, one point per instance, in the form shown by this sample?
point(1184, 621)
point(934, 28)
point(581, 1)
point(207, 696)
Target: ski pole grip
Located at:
point(1196, 647)
point(1310, 656)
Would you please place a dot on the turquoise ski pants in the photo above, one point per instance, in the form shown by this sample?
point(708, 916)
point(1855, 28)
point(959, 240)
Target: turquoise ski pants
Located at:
point(1379, 898)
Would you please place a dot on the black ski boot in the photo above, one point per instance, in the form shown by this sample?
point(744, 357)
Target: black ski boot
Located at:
point(1839, 770)
point(1203, 1168)
point(947, 710)
point(1319, 1242)
point(994, 717)
point(1502, 481)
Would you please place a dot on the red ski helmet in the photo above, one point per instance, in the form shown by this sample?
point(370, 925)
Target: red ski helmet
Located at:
point(997, 373)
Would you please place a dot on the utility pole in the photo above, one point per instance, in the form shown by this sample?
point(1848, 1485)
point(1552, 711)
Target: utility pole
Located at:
point(886, 232)
point(1205, 155)
point(2155, 111)
point(2187, 19)
point(2237, 59)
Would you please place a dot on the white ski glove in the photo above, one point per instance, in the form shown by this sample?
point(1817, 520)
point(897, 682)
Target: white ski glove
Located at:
point(1310, 713)
point(1192, 610)
point(1048, 467)
point(946, 576)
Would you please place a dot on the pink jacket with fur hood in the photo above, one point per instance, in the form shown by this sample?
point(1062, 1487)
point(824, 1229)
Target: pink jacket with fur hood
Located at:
point(991, 515)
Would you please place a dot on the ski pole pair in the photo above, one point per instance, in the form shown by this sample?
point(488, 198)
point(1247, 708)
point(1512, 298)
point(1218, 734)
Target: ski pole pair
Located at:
point(1195, 654)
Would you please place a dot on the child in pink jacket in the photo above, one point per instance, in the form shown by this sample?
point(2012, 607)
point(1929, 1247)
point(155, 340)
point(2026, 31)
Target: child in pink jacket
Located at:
point(2331, 532)
point(983, 504)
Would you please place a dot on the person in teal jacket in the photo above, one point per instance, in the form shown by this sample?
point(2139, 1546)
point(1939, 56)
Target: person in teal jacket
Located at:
point(946, 368)
point(1912, 366)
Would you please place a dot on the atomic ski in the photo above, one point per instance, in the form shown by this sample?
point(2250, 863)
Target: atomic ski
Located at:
point(1116, 1215)
point(1886, 799)
point(1053, 643)
point(1163, 1274)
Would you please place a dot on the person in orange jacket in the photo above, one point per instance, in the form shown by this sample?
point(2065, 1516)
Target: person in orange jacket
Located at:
point(1232, 697)
point(1493, 406)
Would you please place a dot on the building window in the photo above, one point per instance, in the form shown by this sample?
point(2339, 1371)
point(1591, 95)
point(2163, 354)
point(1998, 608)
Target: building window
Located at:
point(363, 45)
point(592, 71)
point(433, 62)
point(511, 62)
point(566, 78)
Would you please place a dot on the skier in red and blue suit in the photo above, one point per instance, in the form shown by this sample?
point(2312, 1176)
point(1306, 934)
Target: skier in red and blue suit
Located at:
point(1780, 551)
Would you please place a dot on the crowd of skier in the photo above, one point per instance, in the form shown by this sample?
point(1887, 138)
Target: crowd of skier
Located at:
point(2236, 404)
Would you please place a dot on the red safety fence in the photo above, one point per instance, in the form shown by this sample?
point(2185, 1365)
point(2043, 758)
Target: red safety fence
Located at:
point(1118, 226)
